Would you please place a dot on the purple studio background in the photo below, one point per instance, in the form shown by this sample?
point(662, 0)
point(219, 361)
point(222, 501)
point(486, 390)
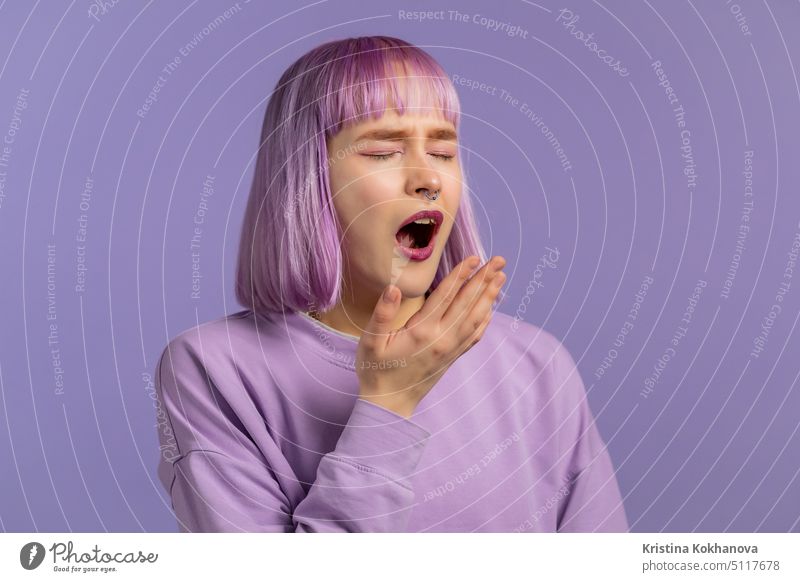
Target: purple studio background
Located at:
point(663, 170)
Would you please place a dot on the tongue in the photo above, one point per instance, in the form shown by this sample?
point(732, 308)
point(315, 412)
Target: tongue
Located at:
point(405, 239)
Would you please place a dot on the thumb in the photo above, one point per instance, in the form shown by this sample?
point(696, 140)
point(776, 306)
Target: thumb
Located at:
point(380, 324)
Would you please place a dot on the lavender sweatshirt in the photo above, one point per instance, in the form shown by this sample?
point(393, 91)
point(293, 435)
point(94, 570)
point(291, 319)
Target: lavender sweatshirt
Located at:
point(261, 429)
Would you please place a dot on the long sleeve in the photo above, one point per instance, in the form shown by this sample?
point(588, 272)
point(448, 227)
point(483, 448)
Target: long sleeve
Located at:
point(591, 501)
point(220, 480)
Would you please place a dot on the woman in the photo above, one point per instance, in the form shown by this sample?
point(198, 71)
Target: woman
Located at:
point(369, 386)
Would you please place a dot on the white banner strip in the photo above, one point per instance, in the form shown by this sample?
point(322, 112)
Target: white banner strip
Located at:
point(401, 557)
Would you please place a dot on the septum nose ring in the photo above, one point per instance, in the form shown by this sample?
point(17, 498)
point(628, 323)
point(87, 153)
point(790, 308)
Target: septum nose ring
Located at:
point(435, 194)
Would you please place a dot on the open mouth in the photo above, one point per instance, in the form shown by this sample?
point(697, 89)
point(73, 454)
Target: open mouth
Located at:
point(418, 230)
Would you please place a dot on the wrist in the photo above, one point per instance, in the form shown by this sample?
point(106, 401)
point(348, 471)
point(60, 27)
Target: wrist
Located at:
point(393, 402)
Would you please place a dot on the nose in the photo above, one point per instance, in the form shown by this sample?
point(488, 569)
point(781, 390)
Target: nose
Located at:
point(423, 180)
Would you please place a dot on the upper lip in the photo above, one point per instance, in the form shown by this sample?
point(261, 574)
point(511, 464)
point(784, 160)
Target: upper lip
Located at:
point(436, 215)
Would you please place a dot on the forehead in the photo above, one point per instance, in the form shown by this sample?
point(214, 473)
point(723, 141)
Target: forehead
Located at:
point(420, 123)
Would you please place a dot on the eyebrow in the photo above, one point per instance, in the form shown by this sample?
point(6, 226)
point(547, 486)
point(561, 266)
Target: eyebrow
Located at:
point(441, 133)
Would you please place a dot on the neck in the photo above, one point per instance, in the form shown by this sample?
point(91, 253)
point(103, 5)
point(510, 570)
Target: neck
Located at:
point(351, 315)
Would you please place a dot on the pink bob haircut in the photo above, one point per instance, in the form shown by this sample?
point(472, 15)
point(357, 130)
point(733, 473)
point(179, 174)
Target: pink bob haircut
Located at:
point(289, 251)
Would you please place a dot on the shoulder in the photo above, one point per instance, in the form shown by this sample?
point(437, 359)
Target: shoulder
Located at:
point(536, 344)
point(210, 334)
point(216, 347)
point(560, 394)
point(535, 354)
point(232, 332)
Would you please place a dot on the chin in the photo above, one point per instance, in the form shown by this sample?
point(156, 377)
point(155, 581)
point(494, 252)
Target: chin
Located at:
point(414, 279)
point(413, 290)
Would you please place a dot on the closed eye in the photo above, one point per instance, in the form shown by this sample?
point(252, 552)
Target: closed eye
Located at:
point(381, 156)
point(390, 154)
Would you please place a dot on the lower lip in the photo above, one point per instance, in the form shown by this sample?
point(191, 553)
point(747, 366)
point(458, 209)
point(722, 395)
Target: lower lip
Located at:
point(417, 254)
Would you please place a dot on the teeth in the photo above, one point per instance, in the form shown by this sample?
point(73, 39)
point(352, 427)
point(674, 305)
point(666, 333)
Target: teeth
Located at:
point(425, 221)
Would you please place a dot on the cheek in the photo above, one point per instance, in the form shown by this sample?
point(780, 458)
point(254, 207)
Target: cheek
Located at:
point(362, 207)
point(454, 200)
point(376, 184)
point(451, 205)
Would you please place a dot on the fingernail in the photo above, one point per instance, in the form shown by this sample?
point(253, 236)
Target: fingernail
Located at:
point(388, 294)
point(499, 279)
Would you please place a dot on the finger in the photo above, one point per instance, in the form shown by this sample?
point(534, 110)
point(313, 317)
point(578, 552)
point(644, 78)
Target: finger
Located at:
point(472, 291)
point(380, 323)
point(483, 307)
point(474, 337)
point(440, 298)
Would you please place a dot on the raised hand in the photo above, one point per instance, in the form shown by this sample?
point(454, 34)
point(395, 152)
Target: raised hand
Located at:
point(397, 368)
